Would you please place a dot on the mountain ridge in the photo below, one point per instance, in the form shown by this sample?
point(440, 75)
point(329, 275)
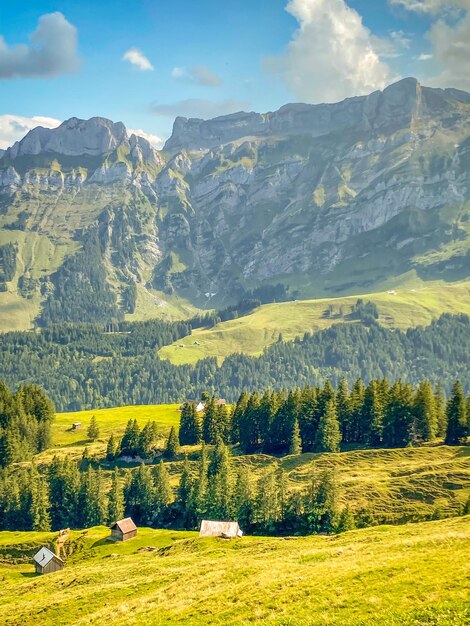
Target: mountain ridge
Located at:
point(327, 199)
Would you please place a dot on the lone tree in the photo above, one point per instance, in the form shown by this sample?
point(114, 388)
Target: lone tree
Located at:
point(172, 446)
point(93, 431)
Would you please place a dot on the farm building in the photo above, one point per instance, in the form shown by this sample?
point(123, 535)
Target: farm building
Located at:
point(226, 530)
point(76, 426)
point(123, 530)
point(221, 402)
point(46, 561)
point(200, 406)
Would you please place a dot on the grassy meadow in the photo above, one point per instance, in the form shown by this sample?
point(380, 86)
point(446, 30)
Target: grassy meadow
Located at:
point(110, 421)
point(412, 305)
point(415, 574)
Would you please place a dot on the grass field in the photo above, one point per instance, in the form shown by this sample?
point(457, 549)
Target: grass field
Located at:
point(110, 421)
point(412, 305)
point(410, 575)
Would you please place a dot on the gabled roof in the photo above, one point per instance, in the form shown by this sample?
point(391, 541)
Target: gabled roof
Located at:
point(45, 556)
point(125, 525)
point(210, 528)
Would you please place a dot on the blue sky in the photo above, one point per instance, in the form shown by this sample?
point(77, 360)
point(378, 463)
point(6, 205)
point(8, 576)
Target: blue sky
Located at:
point(145, 61)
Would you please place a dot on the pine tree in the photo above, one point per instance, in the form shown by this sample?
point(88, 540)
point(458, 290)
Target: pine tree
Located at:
point(198, 504)
point(190, 427)
point(115, 498)
point(249, 424)
point(243, 499)
point(343, 409)
point(185, 486)
point(328, 434)
point(93, 431)
point(172, 445)
point(346, 520)
point(92, 501)
point(163, 493)
point(111, 449)
point(426, 425)
point(456, 416)
point(130, 439)
point(220, 483)
point(210, 426)
point(139, 496)
point(40, 503)
point(441, 415)
point(295, 445)
point(237, 414)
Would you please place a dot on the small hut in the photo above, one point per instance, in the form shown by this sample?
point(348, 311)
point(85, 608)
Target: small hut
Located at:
point(123, 530)
point(76, 426)
point(46, 561)
point(226, 530)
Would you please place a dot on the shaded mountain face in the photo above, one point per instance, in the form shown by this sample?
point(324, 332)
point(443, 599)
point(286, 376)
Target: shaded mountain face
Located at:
point(327, 198)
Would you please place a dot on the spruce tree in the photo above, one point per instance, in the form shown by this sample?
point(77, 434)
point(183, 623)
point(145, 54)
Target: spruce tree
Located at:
point(93, 431)
point(237, 415)
point(343, 409)
point(163, 493)
point(190, 427)
point(210, 426)
point(243, 499)
point(456, 416)
point(111, 449)
point(172, 445)
point(328, 435)
point(346, 520)
point(295, 445)
point(139, 495)
point(426, 425)
point(441, 415)
point(115, 498)
point(40, 503)
point(185, 486)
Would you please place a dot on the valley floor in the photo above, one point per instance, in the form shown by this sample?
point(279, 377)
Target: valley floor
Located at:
point(415, 574)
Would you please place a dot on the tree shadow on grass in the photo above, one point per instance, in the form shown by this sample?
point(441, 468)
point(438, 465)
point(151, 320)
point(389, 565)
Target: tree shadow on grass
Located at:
point(29, 574)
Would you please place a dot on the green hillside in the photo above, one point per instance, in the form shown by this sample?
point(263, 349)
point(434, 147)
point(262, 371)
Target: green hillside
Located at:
point(411, 305)
point(410, 575)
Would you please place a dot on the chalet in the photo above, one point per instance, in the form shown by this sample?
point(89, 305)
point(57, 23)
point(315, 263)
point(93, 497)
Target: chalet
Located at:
point(46, 561)
point(76, 426)
point(226, 530)
point(123, 530)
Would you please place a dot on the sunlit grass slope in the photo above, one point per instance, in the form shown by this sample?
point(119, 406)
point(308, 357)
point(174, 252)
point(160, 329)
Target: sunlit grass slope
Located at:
point(412, 305)
point(110, 421)
point(408, 575)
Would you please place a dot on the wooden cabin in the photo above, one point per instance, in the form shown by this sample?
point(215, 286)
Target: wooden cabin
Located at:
point(46, 561)
point(76, 426)
point(123, 530)
point(226, 530)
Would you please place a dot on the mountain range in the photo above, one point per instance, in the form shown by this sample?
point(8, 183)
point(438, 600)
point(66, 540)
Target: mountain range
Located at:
point(329, 199)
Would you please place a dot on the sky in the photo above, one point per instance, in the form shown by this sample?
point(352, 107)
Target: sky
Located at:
point(143, 62)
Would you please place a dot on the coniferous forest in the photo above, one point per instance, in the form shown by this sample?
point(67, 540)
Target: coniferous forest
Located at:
point(90, 366)
point(318, 419)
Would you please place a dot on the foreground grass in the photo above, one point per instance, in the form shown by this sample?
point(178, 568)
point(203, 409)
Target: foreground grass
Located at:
point(411, 306)
point(410, 575)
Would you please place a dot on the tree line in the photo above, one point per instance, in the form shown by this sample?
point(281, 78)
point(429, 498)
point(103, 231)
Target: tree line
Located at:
point(322, 419)
point(84, 367)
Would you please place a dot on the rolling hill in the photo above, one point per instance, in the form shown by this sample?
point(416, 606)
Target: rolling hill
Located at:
point(411, 575)
point(408, 306)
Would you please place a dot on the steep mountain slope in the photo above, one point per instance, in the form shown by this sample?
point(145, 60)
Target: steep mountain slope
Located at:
point(329, 199)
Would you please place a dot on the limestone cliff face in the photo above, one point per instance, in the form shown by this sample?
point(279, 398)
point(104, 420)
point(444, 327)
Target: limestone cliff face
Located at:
point(328, 198)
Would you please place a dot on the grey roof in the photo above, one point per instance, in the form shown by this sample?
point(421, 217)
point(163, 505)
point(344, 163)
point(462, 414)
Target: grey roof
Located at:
point(125, 525)
point(211, 528)
point(45, 556)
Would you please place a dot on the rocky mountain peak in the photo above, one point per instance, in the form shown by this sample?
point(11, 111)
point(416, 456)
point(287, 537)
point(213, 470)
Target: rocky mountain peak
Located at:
point(391, 109)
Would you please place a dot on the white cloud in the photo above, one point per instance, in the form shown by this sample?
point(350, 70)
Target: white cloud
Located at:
point(195, 107)
point(154, 140)
point(424, 57)
point(52, 52)
point(451, 51)
point(431, 6)
point(14, 127)
point(200, 75)
point(137, 58)
point(332, 54)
